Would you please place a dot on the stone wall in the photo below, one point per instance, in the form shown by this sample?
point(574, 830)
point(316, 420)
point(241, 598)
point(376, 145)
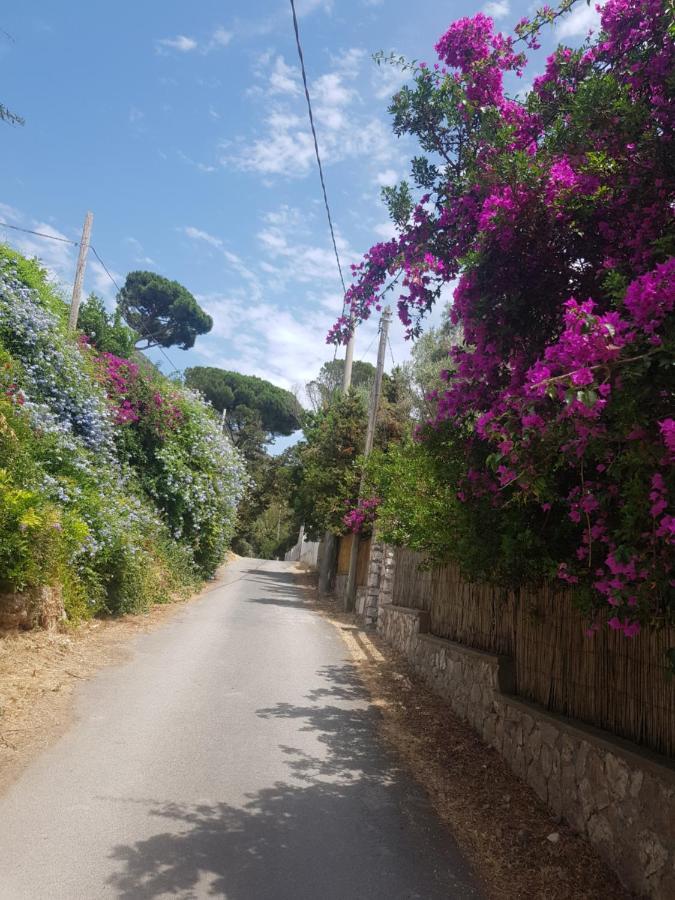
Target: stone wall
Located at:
point(621, 797)
point(41, 607)
point(379, 587)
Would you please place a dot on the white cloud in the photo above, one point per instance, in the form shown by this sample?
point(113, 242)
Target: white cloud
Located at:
point(387, 178)
point(99, 281)
point(136, 115)
point(140, 254)
point(287, 347)
point(385, 230)
point(285, 146)
point(181, 43)
point(234, 262)
point(386, 80)
point(299, 261)
point(200, 166)
point(349, 61)
point(59, 256)
point(56, 256)
point(283, 78)
point(220, 37)
point(198, 235)
point(579, 22)
point(305, 7)
point(497, 8)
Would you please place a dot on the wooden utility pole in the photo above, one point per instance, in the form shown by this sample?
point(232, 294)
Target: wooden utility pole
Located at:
point(350, 592)
point(79, 272)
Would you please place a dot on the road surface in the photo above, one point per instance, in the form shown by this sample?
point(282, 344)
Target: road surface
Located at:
point(234, 755)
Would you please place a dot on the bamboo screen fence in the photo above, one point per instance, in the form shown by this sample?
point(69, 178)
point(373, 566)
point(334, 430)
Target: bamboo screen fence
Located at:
point(616, 683)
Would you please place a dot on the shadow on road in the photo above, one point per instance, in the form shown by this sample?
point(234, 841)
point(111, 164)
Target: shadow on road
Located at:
point(278, 588)
point(346, 822)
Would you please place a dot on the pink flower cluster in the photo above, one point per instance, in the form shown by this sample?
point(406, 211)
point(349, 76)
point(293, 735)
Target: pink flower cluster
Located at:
point(550, 379)
point(134, 399)
point(119, 375)
point(362, 515)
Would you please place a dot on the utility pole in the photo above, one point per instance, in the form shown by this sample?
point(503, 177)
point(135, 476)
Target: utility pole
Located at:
point(329, 554)
point(350, 592)
point(349, 359)
point(79, 272)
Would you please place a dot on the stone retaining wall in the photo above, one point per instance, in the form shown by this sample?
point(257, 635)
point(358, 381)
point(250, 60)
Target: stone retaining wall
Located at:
point(41, 607)
point(621, 797)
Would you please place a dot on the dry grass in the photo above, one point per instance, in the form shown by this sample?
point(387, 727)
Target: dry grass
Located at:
point(39, 671)
point(499, 823)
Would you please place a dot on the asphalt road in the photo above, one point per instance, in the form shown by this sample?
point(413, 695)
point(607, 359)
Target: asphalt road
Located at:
point(234, 755)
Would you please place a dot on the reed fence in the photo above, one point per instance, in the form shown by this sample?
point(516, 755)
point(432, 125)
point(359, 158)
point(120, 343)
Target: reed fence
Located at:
point(620, 684)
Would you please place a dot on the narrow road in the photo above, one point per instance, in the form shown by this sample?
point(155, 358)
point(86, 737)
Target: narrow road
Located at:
point(234, 755)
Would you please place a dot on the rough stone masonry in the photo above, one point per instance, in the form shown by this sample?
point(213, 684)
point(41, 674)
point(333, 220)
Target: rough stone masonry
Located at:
point(621, 797)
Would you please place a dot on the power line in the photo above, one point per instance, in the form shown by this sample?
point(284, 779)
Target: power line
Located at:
point(146, 336)
point(367, 350)
point(316, 150)
point(105, 268)
point(53, 237)
point(391, 352)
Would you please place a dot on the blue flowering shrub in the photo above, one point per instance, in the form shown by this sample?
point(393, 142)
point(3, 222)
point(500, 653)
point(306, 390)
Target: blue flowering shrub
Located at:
point(83, 503)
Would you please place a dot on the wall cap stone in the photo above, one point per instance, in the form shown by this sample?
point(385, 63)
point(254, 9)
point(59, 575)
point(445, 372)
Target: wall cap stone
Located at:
point(503, 665)
point(420, 614)
point(639, 757)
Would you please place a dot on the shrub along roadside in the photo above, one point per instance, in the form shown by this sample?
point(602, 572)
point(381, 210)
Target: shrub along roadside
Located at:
point(120, 509)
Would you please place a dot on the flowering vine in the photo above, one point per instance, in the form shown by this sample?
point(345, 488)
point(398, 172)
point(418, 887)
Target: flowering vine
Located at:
point(552, 213)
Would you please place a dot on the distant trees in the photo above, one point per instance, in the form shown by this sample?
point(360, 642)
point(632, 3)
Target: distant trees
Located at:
point(163, 312)
point(430, 357)
point(257, 410)
point(324, 464)
point(328, 383)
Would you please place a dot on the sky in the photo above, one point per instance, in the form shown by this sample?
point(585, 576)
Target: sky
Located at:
point(183, 128)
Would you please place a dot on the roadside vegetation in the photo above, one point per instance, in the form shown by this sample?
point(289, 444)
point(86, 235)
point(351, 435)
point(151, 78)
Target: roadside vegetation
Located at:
point(117, 484)
point(546, 448)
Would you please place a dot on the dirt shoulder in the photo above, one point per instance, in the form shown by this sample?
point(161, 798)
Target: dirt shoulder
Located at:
point(39, 671)
point(519, 849)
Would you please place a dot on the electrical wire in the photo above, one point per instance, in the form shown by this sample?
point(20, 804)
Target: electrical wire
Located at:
point(316, 147)
point(391, 352)
point(143, 334)
point(53, 237)
point(367, 350)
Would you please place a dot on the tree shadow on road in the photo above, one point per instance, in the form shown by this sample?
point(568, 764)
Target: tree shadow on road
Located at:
point(346, 824)
point(278, 588)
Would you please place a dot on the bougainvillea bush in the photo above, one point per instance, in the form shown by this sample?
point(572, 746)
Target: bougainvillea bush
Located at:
point(551, 211)
point(114, 482)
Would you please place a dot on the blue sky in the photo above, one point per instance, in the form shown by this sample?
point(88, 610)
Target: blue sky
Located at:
point(183, 128)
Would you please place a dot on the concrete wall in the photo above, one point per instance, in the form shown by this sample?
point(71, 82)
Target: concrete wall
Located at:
point(621, 797)
point(304, 551)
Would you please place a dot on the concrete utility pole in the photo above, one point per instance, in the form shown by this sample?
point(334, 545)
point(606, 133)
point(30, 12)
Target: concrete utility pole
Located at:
point(79, 271)
point(350, 592)
point(349, 360)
